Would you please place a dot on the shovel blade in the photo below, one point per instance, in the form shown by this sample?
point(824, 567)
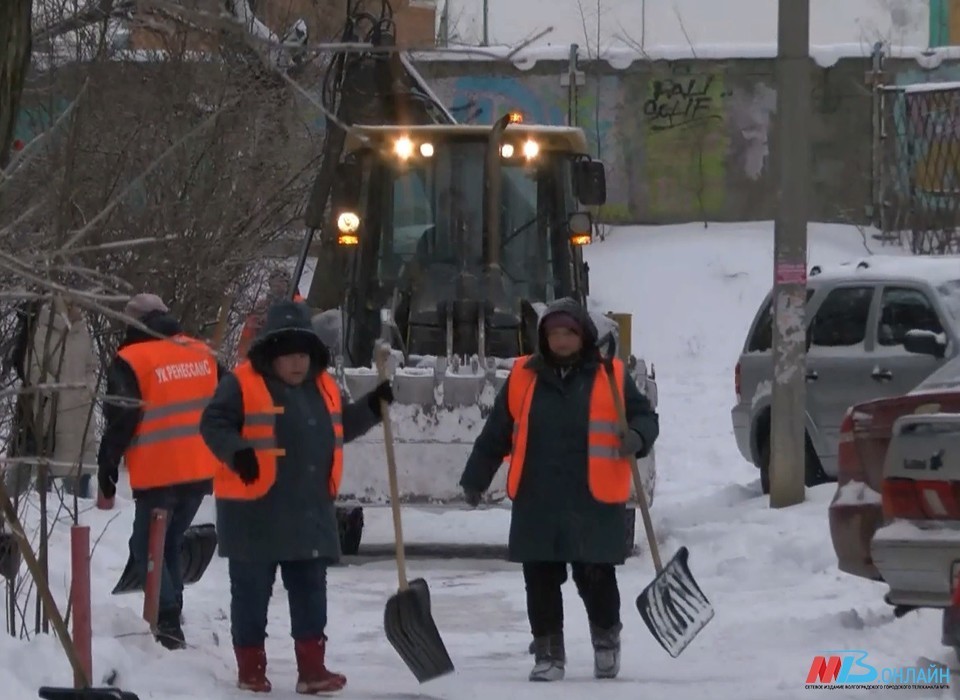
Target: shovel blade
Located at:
point(48, 693)
point(413, 633)
point(196, 553)
point(673, 606)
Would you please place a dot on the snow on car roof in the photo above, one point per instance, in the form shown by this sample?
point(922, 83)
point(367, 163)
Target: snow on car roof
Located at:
point(933, 269)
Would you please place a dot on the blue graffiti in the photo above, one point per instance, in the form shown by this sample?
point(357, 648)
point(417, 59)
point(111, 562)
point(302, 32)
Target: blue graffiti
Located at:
point(484, 99)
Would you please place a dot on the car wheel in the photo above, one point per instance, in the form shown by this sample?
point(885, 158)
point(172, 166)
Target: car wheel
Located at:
point(350, 525)
point(813, 472)
point(630, 531)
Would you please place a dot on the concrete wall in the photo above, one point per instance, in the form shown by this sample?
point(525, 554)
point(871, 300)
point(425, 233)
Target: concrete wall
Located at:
point(693, 140)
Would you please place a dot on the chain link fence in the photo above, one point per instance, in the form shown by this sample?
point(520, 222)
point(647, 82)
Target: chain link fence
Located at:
point(920, 167)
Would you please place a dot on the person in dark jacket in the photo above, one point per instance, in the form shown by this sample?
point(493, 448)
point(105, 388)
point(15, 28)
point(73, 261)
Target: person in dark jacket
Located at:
point(177, 474)
point(569, 479)
point(278, 423)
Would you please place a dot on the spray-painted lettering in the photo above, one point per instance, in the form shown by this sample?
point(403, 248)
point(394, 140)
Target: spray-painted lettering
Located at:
point(677, 102)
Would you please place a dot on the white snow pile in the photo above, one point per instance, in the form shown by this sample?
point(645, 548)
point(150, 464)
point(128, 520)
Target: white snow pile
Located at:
point(771, 575)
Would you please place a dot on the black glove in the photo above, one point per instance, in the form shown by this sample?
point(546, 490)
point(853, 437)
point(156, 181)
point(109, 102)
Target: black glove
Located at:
point(631, 444)
point(246, 466)
point(107, 479)
point(383, 392)
point(472, 497)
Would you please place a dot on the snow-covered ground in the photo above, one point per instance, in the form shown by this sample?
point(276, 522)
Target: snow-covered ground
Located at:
point(770, 574)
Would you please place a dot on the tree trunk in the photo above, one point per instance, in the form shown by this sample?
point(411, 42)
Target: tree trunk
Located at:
point(15, 44)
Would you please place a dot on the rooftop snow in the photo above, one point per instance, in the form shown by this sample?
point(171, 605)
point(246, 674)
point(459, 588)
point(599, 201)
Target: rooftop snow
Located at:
point(936, 270)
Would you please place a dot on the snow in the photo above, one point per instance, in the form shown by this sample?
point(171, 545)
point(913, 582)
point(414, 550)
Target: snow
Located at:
point(771, 575)
point(856, 493)
point(683, 29)
point(946, 86)
point(937, 270)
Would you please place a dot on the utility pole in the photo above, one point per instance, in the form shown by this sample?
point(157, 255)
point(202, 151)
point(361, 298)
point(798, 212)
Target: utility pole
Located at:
point(788, 417)
point(486, 22)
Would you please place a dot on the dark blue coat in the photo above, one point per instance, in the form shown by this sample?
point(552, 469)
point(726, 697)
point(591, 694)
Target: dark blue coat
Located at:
point(296, 519)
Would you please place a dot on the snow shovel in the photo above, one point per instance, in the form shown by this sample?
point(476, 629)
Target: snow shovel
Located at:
point(196, 553)
point(672, 605)
point(407, 619)
point(48, 693)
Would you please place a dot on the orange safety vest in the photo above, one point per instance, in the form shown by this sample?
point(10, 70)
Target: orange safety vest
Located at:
point(251, 327)
point(608, 474)
point(259, 421)
point(177, 377)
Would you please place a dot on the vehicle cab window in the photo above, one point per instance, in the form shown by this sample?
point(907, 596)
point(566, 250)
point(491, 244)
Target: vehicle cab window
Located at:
point(903, 309)
point(841, 320)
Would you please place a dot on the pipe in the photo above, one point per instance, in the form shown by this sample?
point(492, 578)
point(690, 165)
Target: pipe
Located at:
point(151, 586)
point(80, 602)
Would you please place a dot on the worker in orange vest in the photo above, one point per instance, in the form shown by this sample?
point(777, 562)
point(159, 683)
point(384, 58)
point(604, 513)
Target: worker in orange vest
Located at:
point(555, 420)
point(278, 423)
point(278, 287)
point(157, 386)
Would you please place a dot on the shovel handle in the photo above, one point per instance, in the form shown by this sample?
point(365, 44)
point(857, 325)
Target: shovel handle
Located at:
point(634, 467)
point(382, 350)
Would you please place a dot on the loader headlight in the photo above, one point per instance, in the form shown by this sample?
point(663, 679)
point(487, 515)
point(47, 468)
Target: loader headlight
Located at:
point(426, 150)
point(531, 149)
point(580, 225)
point(506, 150)
point(403, 147)
point(348, 223)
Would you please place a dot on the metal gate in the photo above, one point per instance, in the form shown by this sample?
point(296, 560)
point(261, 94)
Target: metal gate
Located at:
point(917, 166)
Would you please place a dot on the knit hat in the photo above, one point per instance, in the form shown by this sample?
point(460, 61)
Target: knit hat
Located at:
point(561, 319)
point(143, 304)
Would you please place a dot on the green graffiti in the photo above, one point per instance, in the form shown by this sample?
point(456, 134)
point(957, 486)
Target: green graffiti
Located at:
point(686, 144)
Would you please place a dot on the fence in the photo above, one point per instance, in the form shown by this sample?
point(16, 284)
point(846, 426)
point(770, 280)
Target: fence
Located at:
point(919, 145)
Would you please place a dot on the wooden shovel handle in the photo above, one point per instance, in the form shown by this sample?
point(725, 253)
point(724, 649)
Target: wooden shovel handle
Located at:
point(635, 468)
point(382, 350)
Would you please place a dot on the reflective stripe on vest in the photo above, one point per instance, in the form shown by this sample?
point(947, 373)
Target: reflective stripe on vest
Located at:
point(608, 474)
point(176, 378)
point(259, 431)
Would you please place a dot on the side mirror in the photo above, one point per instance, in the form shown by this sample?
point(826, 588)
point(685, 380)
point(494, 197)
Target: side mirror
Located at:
point(590, 182)
point(925, 343)
point(580, 228)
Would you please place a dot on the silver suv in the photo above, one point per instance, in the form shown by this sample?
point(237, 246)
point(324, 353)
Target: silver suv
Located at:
point(875, 328)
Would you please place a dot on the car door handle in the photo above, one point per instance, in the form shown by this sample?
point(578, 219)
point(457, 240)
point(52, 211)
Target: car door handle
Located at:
point(881, 374)
point(812, 375)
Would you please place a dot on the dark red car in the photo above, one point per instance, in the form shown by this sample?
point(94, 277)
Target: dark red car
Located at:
point(856, 511)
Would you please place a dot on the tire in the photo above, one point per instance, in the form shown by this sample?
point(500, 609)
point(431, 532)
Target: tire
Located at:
point(350, 526)
point(630, 531)
point(813, 474)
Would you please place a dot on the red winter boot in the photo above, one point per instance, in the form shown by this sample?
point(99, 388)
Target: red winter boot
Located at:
point(314, 677)
point(252, 669)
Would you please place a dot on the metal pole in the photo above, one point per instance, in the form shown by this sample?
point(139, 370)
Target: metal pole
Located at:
point(788, 418)
point(486, 22)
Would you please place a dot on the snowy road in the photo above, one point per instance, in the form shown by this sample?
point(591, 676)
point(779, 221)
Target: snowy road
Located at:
point(771, 575)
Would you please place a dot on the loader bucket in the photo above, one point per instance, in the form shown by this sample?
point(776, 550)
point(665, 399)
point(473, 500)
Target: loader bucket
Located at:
point(199, 546)
point(9, 556)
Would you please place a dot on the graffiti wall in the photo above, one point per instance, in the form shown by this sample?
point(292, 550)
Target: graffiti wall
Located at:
point(675, 138)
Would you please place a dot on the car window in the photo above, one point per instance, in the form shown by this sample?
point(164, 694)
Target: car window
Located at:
point(841, 320)
point(903, 309)
point(762, 338)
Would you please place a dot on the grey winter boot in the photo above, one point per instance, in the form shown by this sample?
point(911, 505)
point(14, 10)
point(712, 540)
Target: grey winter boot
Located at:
point(550, 658)
point(606, 651)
